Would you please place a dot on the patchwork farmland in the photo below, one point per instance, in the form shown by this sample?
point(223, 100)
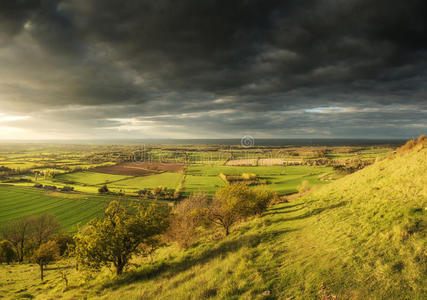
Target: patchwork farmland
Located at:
point(32, 174)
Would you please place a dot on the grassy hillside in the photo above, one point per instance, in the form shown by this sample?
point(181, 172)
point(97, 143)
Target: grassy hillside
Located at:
point(361, 237)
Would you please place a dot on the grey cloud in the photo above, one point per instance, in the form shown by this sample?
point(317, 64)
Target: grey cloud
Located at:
point(139, 59)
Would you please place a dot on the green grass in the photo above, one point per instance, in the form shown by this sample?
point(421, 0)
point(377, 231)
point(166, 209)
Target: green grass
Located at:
point(284, 180)
point(89, 178)
point(206, 184)
point(168, 180)
point(89, 182)
point(70, 209)
point(361, 237)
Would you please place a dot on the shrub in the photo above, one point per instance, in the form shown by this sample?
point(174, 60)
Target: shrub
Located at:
point(50, 187)
point(235, 202)
point(409, 145)
point(304, 187)
point(103, 190)
point(187, 217)
point(7, 253)
point(67, 189)
point(64, 242)
point(248, 176)
point(276, 199)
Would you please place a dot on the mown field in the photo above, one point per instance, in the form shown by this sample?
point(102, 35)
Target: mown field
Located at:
point(70, 209)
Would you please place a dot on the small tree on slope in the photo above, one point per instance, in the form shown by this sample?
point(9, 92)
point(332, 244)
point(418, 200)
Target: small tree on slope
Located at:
point(45, 254)
point(120, 235)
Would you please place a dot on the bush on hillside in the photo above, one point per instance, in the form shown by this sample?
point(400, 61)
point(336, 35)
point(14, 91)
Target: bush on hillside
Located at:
point(7, 253)
point(304, 187)
point(411, 144)
point(65, 242)
point(236, 202)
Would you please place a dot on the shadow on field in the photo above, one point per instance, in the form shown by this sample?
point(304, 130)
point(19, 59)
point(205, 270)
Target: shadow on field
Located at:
point(310, 213)
point(194, 258)
point(285, 207)
point(60, 267)
point(282, 211)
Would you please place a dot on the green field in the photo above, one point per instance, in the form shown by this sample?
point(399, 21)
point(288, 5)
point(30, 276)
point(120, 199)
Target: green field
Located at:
point(206, 184)
point(70, 209)
point(90, 182)
point(134, 184)
point(283, 180)
point(89, 178)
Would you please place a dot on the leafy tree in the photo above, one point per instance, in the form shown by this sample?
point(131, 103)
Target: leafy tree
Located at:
point(7, 253)
point(45, 254)
point(18, 232)
point(120, 235)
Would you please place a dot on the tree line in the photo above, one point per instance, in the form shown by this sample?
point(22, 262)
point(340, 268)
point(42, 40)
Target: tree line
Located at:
point(37, 239)
point(129, 230)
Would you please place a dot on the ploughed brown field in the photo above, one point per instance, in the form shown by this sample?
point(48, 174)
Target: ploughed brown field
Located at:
point(140, 168)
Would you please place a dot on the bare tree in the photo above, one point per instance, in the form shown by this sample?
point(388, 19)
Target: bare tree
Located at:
point(43, 228)
point(18, 232)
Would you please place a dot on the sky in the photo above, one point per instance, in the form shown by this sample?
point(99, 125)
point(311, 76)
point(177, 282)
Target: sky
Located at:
point(101, 69)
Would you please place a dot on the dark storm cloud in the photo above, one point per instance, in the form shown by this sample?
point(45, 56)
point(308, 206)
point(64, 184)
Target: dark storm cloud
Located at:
point(230, 66)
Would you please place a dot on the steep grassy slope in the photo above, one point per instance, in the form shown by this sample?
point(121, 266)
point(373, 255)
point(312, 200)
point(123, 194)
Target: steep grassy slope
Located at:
point(361, 237)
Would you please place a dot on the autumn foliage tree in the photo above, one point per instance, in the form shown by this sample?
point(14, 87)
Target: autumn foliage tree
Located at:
point(188, 215)
point(235, 202)
point(122, 233)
